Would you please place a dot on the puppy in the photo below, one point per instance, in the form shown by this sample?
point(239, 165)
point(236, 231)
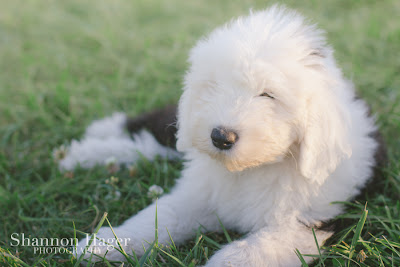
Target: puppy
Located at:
point(272, 134)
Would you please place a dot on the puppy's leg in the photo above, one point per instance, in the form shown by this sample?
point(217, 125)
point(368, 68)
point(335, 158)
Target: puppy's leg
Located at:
point(270, 247)
point(179, 214)
point(124, 139)
point(90, 152)
point(93, 151)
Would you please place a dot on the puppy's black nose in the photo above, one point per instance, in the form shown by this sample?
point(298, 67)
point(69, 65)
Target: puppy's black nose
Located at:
point(223, 139)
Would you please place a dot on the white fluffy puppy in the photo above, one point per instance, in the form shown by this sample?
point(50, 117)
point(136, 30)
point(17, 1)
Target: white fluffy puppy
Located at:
point(272, 133)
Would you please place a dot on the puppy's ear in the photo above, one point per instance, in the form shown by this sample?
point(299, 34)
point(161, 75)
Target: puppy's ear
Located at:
point(183, 142)
point(324, 139)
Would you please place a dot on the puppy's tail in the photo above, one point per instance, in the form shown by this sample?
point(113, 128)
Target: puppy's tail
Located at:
point(123, 140)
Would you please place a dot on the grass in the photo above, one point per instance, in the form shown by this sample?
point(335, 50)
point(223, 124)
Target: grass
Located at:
point(64, 63)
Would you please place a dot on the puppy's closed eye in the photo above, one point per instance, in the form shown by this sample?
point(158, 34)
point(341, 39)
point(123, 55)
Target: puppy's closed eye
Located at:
point(267, 95)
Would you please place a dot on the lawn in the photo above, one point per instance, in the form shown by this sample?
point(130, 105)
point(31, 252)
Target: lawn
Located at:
point(65, 63)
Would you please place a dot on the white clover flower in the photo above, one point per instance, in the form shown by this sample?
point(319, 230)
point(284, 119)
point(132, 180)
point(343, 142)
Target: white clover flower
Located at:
point(112, 164)
point(155, 191)
point(59, 153)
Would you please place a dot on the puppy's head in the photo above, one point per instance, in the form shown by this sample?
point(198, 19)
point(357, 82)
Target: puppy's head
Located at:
point(263, 88)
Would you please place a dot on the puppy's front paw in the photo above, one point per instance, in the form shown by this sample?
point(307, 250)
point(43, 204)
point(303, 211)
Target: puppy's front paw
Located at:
point(104, 245)
point(243, 253)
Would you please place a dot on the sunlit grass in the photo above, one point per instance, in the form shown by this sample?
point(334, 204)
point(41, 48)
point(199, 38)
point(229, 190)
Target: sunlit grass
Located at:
point(64, 63)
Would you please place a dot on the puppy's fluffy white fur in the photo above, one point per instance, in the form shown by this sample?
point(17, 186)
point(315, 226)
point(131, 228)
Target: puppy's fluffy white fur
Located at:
point(107, 138)
point(299, 150)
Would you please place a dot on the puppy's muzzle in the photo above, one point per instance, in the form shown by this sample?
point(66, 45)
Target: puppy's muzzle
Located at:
point(223, 138)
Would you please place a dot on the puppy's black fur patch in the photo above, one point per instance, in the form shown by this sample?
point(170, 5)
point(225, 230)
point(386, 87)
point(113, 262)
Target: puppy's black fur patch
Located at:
point(161, 123)
point(381, 160)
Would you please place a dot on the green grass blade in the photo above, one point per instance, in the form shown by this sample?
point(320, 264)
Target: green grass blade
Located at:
point(357, 232)
point(121, 249)
point(213, 242)
point(146, 254)
point(174, 258)
point(91, 239)
point(319, 250)
point(228, 238)
point(302, 260)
